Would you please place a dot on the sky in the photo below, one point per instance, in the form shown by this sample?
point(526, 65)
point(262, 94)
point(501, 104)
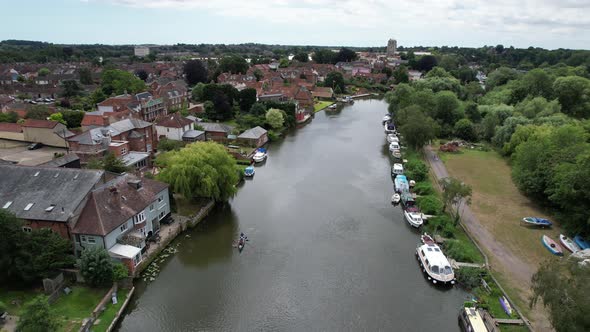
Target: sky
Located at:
point(540, 23)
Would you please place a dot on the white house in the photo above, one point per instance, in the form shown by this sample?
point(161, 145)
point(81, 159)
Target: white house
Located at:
point(173, 126)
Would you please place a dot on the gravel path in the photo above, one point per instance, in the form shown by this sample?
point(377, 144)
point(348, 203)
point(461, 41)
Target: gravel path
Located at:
point(502, 259)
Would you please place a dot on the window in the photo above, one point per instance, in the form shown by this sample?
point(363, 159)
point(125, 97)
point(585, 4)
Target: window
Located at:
point(82, 238)
point(161, 198)
point(152, 207)
point(123, 151)
point(7, 205)
point(50, 208)
point(91, 239)
point(162, 215)
point(27, 229)
point(123, 227)
point(137, 259)
point(29, 206)
point(139, 218)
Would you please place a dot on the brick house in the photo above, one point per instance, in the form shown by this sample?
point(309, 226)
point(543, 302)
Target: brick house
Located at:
point(173, 126)
point(216, 131)
point(255, 137)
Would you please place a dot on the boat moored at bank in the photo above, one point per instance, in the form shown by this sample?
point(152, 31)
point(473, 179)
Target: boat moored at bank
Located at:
point(260, 155)
point(435, 264)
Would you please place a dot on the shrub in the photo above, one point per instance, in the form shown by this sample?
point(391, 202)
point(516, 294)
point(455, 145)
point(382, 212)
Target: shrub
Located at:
point(470, 277)
point(442, 225)
point(430, 204)
point(423, 188)
point(96, 266)
point(461, 251)
point(416, 170)
point(2, 307)
point(273, 135)
point(119, 271)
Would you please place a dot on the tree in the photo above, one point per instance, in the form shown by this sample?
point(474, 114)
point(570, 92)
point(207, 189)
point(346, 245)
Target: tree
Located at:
point(258, 109)
point(9, 117)
point(58, 117)
point(73, 119)
point(447, 108)
point(96, 266)
point(426, 63)
point(38, 112)
point(70, 88)
point(301, 57)
point(537, 107)
point(85, 76)
point(283, 63)
point(500, 76)
point(142, 74)
point(573, 93)
point(324, 56)
point(195, 72)
point(455, 193)
point(564, 285)
point(115, 81)
point(120, 272)
point(37, 317)
point(10, 249)
point(472, 113)
point(202, 169)
point(346, 55)
point(258, 74)
point(418, 130)
point(401, 75)
point(335, 80)
point(43, 72)
point(464, 130)
point(43, 252)
point(114, 164)
point(247, 98)
point(165, 144)
point(233, 64)
point(197, 92)
point(275, 119)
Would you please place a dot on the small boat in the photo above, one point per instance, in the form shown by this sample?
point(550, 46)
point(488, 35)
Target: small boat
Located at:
point(581, 242)
point(396, 154)
point(505, 305)
point(427, 239)
point(568, 243)
point(394, 146)
point(389, 128)
point(413, 216)
point(386, 118)
point(249, 171)
point(395, 198)
point(241, 244)
point(392, 138)
point(541, 222)
point(397, 169)
point(400, 184)
point(552, 246)
point(435, 264)
point(332, 107)
point(260, 155)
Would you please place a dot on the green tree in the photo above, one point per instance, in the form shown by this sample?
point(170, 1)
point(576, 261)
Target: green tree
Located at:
point(426, 63)
point(564, 285)
point(537, 107)
point(573, 93)
point(233, 64)
point(258, 109)
point(58, 117)
point(142, 74)
point(202, 169)
point(115, 81)
point(37, 317)
point(70, 88)
point(465, 130)
point(120, 271)
point(38, 112)
point(43, 72)
point(283, 63)
point(455, 193)
point(195, 72)
point(500, 76)
point(73, 118)
point(418, 130)
point(324, 55)
point(247, 98)
point(42, 253)
point(447, 109)
point(11, 117)
point(275, 119)
point(197, 92)
point(10, 249)
point(400, 75)
point(301, 57)
point(85, 76)
point(335, 80)
point(502, 134)
point(96, 266)
point(114, 164)
point(346, 55)
point(472, 113)
point(165, 144)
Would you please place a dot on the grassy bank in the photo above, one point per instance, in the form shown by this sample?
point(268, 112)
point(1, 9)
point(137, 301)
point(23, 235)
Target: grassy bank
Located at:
point(107, 316)
point(320, 105)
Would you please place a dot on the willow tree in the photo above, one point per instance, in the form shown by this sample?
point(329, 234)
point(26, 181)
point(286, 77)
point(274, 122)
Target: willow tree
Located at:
point(202, 169)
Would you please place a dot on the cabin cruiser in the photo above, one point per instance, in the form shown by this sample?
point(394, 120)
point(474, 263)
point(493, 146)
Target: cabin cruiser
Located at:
point(389, 128)
point(397, 169)
point(391, 138)
point(260, 155)
point(386, 118)
point(395, 199)
point(396, 154)
point(400, 184)
point(435, 264)
point(413, 216)
point(394, 146)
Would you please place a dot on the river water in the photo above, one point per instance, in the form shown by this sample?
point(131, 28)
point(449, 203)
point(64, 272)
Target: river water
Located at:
point(327, 251)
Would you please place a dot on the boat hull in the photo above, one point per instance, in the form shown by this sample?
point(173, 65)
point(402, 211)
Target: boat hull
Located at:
point(538, 222)
point(552, 246)
point(581, 242)
point(568, 243)
point(414, 223)
point(505, 305)
point(431, 277)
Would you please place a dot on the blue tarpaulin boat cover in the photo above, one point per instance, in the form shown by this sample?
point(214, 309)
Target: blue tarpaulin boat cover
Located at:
point(263, 150)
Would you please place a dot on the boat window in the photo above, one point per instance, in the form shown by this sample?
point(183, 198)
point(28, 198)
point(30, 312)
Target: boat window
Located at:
point(429, 249)
point(448, 270)
point(436, 249)
point(434, 268)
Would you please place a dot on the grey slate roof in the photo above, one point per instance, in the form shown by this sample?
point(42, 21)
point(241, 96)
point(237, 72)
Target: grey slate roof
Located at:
point(192, 133)
point(65, 188)
point(217, 127)
point(129, 124)
point(95, 135)
point(59, 162)
point(253, 133)
point(133, 157)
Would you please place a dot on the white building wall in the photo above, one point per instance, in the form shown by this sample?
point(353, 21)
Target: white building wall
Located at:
point(170, 133)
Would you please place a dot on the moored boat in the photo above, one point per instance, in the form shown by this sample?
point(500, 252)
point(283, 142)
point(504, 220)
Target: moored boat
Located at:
point(551, 245)
point(249, 171)
point(400, 184)
point(435, 264)
point(581, 242)
point(386, 118)
point(535, 221)
point(394, 146)
point(260, 155)
point(413, 216)
point(389, 128)
point(392, 138)
point(395, 198)
point(568, 243)
point(427, 239)
point(397, 169)
point(396, 154)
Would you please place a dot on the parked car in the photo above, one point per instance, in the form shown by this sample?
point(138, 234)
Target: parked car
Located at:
point(35, 146)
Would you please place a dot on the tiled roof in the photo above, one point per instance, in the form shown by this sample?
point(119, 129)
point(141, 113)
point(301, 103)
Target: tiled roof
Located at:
point(40, 123)
point(174, 120)
point(11, 127)
point(216, 127)
point(253, 133)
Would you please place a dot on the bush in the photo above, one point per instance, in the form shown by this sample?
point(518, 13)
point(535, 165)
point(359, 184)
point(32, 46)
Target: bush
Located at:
point(120, 272)
point(3, 307)
point(430, 204)
point(461, 251)
point(167, 144)
point(423, 188)
point(442, 225)
point(273, 135)
point(416, 170)
point(96, 266)
point(470, 277)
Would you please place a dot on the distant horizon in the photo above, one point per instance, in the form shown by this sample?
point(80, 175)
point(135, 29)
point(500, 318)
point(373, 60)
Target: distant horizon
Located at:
point(547, 24)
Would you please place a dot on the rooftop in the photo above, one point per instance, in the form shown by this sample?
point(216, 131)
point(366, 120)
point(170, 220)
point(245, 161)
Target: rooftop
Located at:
point(253, 133)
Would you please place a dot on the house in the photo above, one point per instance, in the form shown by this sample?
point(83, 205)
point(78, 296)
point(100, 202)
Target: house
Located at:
point(103, 117)
point(255, 137)
point(148, 107)
point(120, 216)
point(216, 131)
point(11, 131)
point(50, 133)
point(174, 95)
point(325, 93)
point(119, 138)
point(45, 197)
point(70, 160)
point(193, 135)
point(415, 75)
point(173, 126)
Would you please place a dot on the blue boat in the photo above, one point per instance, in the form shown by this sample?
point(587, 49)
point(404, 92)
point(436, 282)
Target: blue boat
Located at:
point(581, 242)
point(401, 184)
point(249, 171)
point(540, 222)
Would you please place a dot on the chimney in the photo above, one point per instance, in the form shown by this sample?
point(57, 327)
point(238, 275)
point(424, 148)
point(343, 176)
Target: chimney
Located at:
point(135, 183)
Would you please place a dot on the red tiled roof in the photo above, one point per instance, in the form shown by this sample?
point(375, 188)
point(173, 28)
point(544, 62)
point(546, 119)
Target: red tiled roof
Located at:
point(173, 120)
point(11, 127)
point(40, 123)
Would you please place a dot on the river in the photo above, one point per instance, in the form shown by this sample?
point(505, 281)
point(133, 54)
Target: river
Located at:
point(327, 251)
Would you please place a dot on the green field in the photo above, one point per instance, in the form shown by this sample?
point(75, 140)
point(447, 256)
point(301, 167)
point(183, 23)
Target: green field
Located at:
point(320, 105)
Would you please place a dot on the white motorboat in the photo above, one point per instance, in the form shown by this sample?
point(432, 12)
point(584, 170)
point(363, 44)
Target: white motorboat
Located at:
point(260, 155)
point(392, 138)
point(435, 264)
point(413, 217)
point(396, 154)
point(395, 198)
point(397, 169)
point(394, 146)
point(386, 118)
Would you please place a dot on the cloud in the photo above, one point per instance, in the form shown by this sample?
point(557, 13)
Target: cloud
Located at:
point(526, 17)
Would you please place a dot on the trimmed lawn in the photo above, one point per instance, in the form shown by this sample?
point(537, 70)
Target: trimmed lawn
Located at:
point(320, 105)
point(105, 319)
point(77, 305)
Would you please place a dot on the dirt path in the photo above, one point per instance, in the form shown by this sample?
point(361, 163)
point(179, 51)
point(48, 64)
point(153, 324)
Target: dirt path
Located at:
point(503, 260)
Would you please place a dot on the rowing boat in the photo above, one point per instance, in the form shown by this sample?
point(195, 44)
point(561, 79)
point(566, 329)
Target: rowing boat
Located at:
point(552, 246)
point(568, 243)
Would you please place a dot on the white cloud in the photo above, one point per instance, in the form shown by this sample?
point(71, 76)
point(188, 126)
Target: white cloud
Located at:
point(559, 18)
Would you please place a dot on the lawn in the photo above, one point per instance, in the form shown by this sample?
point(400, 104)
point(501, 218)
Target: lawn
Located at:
point(77, 305)
point(320, 105)
point(105, 319)
point(190, 207)
point(15, 299)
